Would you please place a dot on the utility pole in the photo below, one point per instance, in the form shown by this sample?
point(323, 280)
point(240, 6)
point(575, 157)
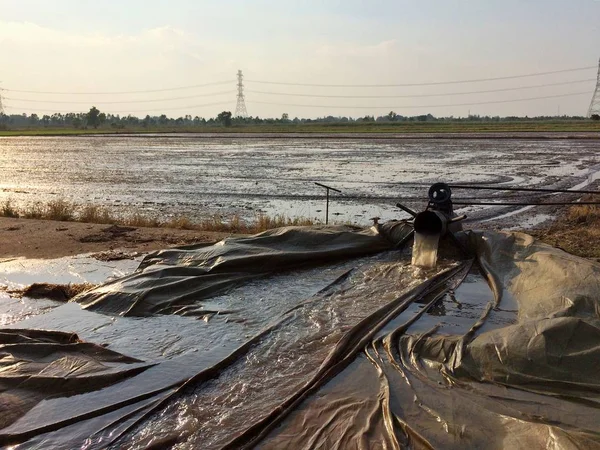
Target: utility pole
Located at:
point(240, 109)
point(595, 103)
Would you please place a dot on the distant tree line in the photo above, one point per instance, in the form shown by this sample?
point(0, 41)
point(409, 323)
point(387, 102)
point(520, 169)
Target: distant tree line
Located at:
point(97, 119)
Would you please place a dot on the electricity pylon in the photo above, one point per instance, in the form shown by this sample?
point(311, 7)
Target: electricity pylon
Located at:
point(1, 105)
point(240, 109)
point(595, 103)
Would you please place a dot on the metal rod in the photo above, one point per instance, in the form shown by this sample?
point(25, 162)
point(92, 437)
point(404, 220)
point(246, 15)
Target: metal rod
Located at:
point(328, 187)
point(507, 188)
point(523, 203)
point(406, 209)
point(327, 209)
point(457, 218)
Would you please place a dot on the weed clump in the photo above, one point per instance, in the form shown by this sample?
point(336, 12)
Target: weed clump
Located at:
point(8, 210)
point(35, 211)
point(60, 210)
point(95, 214)
point(584, 214)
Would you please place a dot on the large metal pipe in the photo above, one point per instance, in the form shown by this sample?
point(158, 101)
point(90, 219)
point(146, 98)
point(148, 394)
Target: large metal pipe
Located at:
point(431, 223)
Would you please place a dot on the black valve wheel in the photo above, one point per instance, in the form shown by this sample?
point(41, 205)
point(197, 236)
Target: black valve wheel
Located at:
point(440, 193)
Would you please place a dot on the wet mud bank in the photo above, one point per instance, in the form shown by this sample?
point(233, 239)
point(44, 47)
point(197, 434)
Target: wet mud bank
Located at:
point(30, 238)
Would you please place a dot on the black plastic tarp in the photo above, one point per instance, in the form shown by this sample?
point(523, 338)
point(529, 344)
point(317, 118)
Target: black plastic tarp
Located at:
point(175, 281)
point(36, 365)
point(497, 350)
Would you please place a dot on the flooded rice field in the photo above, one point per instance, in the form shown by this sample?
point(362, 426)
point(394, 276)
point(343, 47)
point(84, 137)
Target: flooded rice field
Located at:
point(198, 176)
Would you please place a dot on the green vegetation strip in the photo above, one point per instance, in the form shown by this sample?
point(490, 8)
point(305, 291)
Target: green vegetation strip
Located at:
point(580, 126)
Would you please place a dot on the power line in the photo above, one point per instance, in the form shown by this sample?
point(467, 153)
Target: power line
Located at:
point(436, 83)
point(425, 106)
point(217, 83)
point(341, 106)
point(587, 80)
point(122, 112)
point(214, 94)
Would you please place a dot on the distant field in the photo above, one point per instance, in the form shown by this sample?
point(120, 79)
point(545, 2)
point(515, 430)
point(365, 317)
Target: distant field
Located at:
point(402, 127)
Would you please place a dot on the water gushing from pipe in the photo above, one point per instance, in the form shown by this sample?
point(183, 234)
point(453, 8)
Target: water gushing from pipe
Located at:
point(425, 250)
point(429, 227)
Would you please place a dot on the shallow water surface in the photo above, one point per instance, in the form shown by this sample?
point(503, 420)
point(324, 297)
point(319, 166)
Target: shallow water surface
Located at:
point(198, 176)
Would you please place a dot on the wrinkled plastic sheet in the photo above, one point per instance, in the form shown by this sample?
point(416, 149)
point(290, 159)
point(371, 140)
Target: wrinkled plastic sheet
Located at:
point(500, 350)
point(526, 382)
point(174, 281)
point(36, 365)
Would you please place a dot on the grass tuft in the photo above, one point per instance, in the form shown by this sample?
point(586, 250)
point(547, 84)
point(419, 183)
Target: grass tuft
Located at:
point(35, 211)
point(139, 220)
point(214, 223)
point(265, 222)
point(180, 222)
point(8, 210)
point(60, 210)
point(576, 231)
point(95, 214)
point(584, 214)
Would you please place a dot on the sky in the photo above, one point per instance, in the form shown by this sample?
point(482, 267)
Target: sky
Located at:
point(88, 51)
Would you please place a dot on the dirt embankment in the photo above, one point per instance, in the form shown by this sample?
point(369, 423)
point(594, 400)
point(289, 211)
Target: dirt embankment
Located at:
point(51, 239)
point(576, 230)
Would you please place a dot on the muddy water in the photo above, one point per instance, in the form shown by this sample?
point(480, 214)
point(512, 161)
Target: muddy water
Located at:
point(18, 273)
point(425, 250)
point(199, 175)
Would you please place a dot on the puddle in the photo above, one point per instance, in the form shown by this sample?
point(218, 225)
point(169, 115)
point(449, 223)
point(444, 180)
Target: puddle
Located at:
point(20, 272)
